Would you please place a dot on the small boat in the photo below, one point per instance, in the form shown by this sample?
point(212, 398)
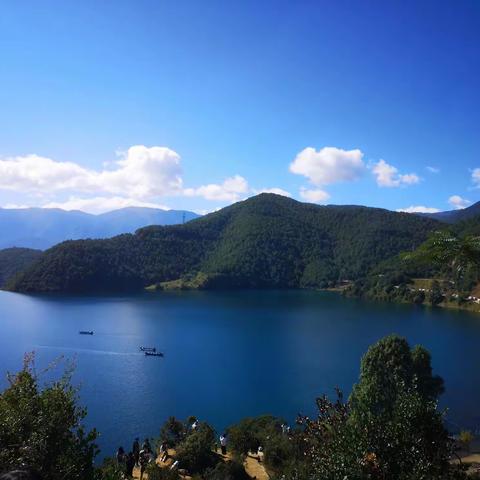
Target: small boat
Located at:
point(148, 349)
point(153, 354)
point(86, 332)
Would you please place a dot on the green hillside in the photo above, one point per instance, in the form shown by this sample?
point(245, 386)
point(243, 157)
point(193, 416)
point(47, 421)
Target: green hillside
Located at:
point(265, 241)
point(15, 260)
point(421, 278)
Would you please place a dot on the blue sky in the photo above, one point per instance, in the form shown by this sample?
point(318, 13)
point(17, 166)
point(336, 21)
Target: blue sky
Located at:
point(195, 104)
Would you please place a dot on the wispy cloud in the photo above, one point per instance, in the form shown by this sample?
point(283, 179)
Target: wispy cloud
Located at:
point(314, 196)
point(418, 209)
point(388, 176)
point(457, 202)
point(230, 190)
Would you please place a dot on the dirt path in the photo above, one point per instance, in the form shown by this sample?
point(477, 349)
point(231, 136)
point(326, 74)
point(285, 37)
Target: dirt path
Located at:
point(253, 467)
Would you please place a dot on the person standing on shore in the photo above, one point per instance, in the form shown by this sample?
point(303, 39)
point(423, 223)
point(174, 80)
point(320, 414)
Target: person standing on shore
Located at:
point(223, 443)
point(164, 452)
point(146, 445)
point(120, 456)
point(129, 464)
point(136, 451)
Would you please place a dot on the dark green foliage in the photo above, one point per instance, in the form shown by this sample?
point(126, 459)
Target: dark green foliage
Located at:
point(195, 453)
point(251, 433)
point(227, 471)
point(390, 367)
point(155, 472)
point(389, 428)
point(109, 470)
point(281, 450)
point(435, 296)
point(451, 254)
point(40, 427)
point(173, 432)
point(265, 241)
point(15, 260)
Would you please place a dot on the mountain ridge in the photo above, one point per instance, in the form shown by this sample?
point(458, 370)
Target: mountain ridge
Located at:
point(264, 241)
point(455, 216)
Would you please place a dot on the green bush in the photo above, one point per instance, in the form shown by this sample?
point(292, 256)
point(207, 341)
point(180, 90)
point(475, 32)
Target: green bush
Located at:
point(251, 433)
point(155, 472)
point(41, 427)
point(195, 453)
point(227, 471)
point(173, 432)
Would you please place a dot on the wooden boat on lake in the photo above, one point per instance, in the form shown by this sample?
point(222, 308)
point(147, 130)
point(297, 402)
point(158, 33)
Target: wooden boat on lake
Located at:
point(86, 332)
point(153, 354)
point(148, 349)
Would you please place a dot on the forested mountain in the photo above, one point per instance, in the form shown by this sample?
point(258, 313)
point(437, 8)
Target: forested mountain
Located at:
point(454, 216)
point(265, 241)
point(15, 260)
point(44, 227)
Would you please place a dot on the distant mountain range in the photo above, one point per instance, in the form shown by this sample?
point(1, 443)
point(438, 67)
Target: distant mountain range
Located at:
point(455, 216)
point(41, 228)
point(265, 241)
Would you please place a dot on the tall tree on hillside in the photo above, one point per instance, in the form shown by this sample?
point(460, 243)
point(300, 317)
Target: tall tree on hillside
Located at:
point(389, 428)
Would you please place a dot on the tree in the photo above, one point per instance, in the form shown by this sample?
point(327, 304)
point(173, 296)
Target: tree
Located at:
point(195, 453)
point(390, 427)
point(466, 438)
point(172, 432)
point(227, 471)
point(250, 433)
point(435, 295)
point(41, 427)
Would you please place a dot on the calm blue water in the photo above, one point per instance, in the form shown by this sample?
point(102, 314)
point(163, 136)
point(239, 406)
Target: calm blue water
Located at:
point(228, 354)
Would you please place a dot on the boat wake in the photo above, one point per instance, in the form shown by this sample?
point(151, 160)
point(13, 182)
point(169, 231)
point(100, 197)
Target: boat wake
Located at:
point(87, 350)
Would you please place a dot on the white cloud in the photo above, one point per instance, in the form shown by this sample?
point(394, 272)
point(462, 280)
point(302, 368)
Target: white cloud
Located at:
point(476, 177)
point(230, 190)
point(433, 169)
point(15, 206)
point(314, 195)
point(141, 172)
point(387, 175)
point(101, 204)
point(418, 209)
point(328, 165)
point(457, 202)
point(278, 191)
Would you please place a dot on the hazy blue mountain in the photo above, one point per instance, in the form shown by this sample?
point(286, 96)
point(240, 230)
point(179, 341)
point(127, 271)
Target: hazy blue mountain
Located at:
point(454, 216)
point(42, 228)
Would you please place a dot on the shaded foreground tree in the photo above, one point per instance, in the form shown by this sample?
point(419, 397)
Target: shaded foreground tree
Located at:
point(41, 427)
point(389, 428)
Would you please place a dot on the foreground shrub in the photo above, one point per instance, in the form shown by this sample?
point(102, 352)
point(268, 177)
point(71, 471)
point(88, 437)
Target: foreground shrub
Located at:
point(251, 433)
point(390, 427)
point(227, 471)
point(155, 472)
point(41, 427)
point(195, 453)
point(173, 432)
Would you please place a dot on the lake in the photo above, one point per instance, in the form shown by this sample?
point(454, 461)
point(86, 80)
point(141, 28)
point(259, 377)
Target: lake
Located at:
point(227, 354)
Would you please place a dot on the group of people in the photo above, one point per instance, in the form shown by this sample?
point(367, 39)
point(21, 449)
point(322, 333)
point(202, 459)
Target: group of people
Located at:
point(137, 457)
